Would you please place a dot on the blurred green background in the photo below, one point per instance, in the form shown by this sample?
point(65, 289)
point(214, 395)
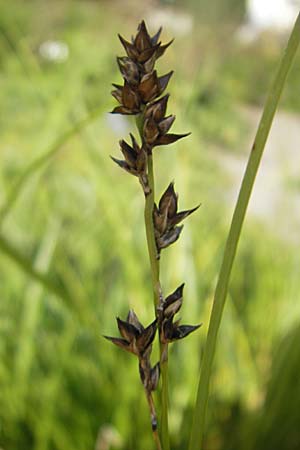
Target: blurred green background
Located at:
point(73, 253)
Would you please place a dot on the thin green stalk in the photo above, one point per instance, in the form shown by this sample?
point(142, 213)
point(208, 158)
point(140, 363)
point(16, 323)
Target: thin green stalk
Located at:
point(154, 262)
point(154, 265)
point(153, 420)
point(42, 160)
point(164, 396)
point(234, 234)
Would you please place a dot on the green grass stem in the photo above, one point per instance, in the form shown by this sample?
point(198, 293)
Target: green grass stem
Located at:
point(39, 162)
point(70, 298)
point(197, 431)
point(154, 264)
point(24, 263)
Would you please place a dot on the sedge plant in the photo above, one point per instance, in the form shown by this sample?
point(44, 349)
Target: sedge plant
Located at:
point(142, 95)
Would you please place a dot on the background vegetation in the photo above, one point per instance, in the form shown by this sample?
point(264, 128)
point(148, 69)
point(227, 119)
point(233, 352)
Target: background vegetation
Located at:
point(73, 252)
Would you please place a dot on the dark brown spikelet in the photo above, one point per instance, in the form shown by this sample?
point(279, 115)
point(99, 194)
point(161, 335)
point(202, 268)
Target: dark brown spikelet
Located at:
point(142, 93)
point(135, 338)
point(171, 331)
point(173, 302)
point(141, 82)
point(166, 218)
point(129, 99)
point(156, 125)
point(135, 161)
point(144, 48)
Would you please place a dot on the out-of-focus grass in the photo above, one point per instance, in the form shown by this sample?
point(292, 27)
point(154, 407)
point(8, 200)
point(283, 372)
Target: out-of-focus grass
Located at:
point(78, 222)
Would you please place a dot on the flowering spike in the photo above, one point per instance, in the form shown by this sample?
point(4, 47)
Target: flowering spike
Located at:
point(168, 200)
point(127, 331)
point(141, 94)
point(136, 339)
point(154, 376)
point(157, 109)
point(122, 343)
point(145, 338)
point(142, 40)
point(124, 165)
point(162, 48)
point(166, 124)
point(156, 36)
point(170, 138)
point(182, 331)
point(149, 87)
point(173, 302)
point(129, 48)
point(169, 237)
point(132, 318)
point(166, 217)
point(182, 215)
point(164, 80)
point(129, 70)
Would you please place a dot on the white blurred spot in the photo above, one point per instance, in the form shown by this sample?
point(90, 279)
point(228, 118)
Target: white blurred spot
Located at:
point(262, 15)
point(108, 437)
point(178, 23)
point(55, 51)
point(117, 123)
point(275, 14)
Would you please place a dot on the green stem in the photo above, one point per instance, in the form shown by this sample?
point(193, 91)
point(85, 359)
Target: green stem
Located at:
point(154, 262)
point(153, 421)
point(164, 396)
point(234, 234)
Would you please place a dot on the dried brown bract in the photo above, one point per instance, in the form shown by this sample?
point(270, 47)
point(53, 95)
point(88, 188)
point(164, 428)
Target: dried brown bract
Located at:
point(135, 161)
point(141, 83)
point(144, 49)
point(166, 218)
point(171, 331)
point(138, 340)
point(135, 338)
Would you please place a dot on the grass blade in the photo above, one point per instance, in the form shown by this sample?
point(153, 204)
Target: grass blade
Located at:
point(27, 267)
point(44, 159)
point(234, 234)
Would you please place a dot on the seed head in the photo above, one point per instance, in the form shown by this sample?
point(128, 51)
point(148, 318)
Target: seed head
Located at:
point(171, 331)
point(141, 83)
point(166, 218)
point(143, 47)
point(135, 338)
point(135, 161)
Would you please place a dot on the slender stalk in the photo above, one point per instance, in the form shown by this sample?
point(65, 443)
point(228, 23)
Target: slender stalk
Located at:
point(152, 251)
point(164, 396)
point(234, 234)
point(153, 421)
point(157, 293)
point(154, 262)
